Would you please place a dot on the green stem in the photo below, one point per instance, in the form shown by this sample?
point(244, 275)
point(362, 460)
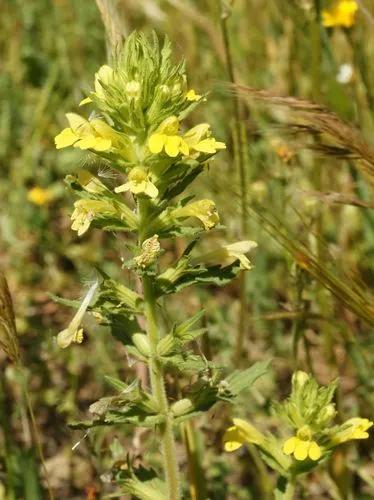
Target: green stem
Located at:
point(196, 477)
point(157, 375)
point(289, 493)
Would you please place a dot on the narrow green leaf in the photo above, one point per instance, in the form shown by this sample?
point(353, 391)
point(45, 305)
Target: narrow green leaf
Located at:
point(240, 380)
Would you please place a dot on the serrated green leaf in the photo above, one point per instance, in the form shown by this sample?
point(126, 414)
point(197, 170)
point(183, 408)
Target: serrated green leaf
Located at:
point(117, 417)
point(183, 328)
point(119, 385)
point(141, 483)
point(186, 362)
point(240, 380)
point(133, 418)
point(187, 416)
point(65, 302)
point(213, 275)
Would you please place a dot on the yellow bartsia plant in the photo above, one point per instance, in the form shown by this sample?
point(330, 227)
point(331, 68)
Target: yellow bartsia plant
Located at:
point(136, 126)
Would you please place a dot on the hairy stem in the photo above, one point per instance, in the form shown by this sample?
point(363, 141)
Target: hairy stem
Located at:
point(157, 376)
point(289, 493)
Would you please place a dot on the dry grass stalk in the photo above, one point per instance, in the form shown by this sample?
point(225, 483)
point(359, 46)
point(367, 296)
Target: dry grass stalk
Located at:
point(335, 137)
point(8, 332)
point(113, 25)
point(332, 197)
point(354, 295)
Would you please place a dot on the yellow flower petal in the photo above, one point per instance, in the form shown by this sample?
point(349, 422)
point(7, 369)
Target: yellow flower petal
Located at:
point(183, 147)
point(192, 96)
point(80, 126)
point(69, 335)
point(301, 449)
point(150, 190)
point(172, 146)
point(156, 143)
point(195, 134)
point(314, 451)
point(102, 144)
point(248, 432)
point(65, 138)
point(232, 439)
point(104, 75)
point(169, 126)
point(87, 100)
point(103, 129)
point(209, 146)
point(122, 188)
point(290, 445)
point(87, 142)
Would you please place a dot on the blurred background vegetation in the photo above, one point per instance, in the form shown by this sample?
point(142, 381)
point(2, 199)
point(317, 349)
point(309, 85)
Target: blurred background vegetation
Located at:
point(295, 178)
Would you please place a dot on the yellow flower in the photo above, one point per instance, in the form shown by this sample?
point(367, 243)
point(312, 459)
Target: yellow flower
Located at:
point(105, 76)
point(354, 428)
point(138, 183)
point(84, 134)
point(204, 210)
point(198, 139)
point(39, 196)
point(342, 13)
point(302, 446)
point(227, 254)
point(85, 212)
point(74, 332)
point(166, 138)
point(192, 96)
point(240, 433)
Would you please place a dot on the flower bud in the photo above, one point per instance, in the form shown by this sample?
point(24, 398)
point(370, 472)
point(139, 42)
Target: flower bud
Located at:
point(166, 345)
point(182, 407)
point(299, 378)
point(327, 414)
point(141, 342)
point(132, 89)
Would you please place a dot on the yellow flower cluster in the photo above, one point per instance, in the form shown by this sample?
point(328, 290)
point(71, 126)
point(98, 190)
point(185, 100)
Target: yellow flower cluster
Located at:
point(85, 212)
point(196, 140)
point(342, 13)
point(138, 183)
point(226, 255)
point(204, 210)
point(354, 428)
point(302, 445)
point(84, 134)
